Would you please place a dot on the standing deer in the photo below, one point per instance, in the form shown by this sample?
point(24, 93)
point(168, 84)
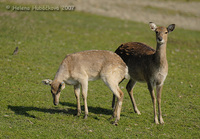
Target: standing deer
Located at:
point(79, 68)
point(147, 65)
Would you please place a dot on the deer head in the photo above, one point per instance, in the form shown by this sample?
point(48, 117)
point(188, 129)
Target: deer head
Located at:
point(56, 88)
point(161, 32)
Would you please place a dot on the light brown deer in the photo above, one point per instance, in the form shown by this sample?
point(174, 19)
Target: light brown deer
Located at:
point(147, 65)
point(79, 68)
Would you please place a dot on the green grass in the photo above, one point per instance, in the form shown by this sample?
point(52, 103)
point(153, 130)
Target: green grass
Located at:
point(44, 38)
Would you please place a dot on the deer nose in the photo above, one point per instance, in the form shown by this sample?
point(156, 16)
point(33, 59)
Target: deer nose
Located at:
point(55, 104)
point(160, 38)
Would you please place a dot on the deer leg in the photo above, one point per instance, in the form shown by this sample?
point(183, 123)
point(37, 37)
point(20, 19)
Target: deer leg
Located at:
point(159, 91)
point(129, 88)
point(150, 87)
point(119, 106)
point(84, 93)
point(118, 93)
point(77, 94)
point(113, 101)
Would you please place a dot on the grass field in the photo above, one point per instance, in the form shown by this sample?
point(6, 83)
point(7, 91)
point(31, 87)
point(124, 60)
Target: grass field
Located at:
point(44, 38)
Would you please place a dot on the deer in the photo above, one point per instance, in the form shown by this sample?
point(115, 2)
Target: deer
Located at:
point(147, 65)
point(78, 68)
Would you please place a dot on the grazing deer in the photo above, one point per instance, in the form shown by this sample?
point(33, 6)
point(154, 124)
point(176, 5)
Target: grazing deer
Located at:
point(79, 68)
point(147, 65)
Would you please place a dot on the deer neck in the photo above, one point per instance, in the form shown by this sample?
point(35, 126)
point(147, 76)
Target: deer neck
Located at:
point(160, 55)
point(60, 75)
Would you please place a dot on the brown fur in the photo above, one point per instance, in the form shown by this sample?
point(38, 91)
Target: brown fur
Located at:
point(55, 86)
point(147, 65)
point(134, 49)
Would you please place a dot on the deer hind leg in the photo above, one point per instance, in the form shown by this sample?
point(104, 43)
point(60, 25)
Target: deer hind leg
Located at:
point(150, 87)
point(129, 88)
point(84, 85)
point(113, 101)
point(117, 110)
point(77, 94)
point(113, 85)
point(159, 91)
point(118, 105)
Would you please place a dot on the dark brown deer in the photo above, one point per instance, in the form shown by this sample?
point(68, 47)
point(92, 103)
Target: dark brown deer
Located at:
point(147, 65)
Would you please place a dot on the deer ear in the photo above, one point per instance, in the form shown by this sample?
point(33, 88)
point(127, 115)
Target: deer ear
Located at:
point(170, 28)
point(47, 82)
point(152, 26)
point(62, 86)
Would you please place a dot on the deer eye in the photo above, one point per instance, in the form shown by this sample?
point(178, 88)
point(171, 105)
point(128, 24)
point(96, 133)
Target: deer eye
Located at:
point(166, 32)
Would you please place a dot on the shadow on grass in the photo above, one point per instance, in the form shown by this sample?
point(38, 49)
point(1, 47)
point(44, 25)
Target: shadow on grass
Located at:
point(23, 110)
point(96, 110)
